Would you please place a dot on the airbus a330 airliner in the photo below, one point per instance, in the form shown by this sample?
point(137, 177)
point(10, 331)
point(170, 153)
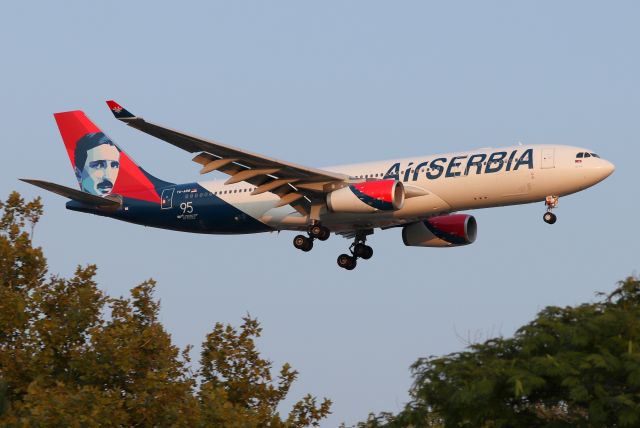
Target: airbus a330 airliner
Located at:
point(422, 194)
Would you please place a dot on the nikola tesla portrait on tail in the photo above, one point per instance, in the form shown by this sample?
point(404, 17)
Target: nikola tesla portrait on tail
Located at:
point(97, 163)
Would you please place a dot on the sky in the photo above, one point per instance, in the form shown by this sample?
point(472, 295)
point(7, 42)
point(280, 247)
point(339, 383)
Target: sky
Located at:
point(326, 83)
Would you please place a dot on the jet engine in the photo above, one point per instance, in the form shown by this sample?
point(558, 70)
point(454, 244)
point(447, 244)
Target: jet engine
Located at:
point(442, 231)
point(367, 197)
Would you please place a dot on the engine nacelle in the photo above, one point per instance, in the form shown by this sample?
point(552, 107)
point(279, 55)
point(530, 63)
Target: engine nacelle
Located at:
point(367, 197)
point(442, 231)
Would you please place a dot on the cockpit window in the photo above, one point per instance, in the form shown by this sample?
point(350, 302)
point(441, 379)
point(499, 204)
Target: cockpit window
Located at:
point(587, 155)
point(580, 155)
point(595, 155)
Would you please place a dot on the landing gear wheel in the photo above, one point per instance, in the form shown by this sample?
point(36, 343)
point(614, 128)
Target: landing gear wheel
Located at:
point(369, 253)
point(363, 251)
point(549, 217)
point(326, 233)
point(347, 262)
point(320, 232)
point(303, 243)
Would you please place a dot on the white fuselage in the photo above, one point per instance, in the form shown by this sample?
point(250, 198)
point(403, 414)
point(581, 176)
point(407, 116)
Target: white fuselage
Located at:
point(482, 178)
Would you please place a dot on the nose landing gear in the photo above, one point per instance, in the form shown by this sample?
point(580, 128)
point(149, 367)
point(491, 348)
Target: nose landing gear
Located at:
point(358, 250)
point(551, 202)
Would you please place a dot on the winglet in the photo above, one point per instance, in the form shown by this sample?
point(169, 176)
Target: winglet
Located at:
point(120, 112)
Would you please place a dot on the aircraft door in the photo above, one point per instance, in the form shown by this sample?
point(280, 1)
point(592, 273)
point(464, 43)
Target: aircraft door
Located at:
point(548, 158)
point(167, 199)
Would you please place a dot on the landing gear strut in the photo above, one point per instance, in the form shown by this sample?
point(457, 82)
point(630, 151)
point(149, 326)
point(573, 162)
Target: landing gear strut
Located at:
point(551, 202)
point(358, 250)
point(316, 231)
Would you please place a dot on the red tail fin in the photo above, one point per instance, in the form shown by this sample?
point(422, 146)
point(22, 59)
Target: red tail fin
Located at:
point(100, 166)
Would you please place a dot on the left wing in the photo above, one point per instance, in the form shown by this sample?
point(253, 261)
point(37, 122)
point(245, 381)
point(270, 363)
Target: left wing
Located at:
point(296, 185)
point(109, 201)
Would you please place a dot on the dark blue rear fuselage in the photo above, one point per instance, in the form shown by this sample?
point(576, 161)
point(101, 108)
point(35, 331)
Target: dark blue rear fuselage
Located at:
point(183, 207)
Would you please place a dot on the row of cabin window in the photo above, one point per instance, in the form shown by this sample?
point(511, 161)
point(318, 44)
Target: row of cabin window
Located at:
point(429, 169)
point(224, 192)
point(586, 155)
point(221, 192)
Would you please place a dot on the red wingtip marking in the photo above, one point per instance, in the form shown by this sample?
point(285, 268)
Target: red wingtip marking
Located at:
point(113, 105)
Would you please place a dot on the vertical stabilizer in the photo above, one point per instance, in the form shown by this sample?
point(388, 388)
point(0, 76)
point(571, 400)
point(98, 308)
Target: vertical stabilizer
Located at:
point(101, 168)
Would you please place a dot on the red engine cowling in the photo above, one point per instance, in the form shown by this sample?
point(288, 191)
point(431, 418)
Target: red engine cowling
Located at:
point(367, 197)
point(442, 231)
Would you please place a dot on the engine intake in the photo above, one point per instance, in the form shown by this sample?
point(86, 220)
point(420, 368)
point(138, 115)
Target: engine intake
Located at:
point(442, 231)
point(367, 197)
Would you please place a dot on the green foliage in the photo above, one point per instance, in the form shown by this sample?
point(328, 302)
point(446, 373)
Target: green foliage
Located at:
point(570, 367)
point(72, 356)
point(236, 377)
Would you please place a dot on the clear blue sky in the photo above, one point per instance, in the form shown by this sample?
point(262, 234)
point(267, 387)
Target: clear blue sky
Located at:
point(327, 83)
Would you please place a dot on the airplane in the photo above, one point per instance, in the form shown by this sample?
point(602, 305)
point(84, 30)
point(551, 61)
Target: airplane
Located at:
point(422, 195)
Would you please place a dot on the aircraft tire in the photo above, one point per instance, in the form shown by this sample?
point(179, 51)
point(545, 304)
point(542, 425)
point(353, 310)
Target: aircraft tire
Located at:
point(363, 251)
point(326, 233)
point(320, 232)
point(549, 218)
point(303, 243)
point(368, 253)
point(347, 262)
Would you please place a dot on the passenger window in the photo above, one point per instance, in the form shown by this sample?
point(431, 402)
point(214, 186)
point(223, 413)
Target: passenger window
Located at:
point(580, 155)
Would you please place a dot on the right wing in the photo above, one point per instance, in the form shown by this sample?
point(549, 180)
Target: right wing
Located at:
point(296, 185)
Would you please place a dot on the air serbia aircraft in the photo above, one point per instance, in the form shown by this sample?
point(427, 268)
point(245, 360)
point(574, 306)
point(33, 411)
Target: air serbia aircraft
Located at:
point(422, 195)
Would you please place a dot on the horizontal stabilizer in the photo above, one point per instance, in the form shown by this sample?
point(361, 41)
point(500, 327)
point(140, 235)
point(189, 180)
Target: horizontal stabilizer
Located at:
point(76, 195)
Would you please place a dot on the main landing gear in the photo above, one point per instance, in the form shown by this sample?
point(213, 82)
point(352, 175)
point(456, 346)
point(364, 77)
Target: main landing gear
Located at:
point(358, 250)
point(551, 202)
point(316, 231)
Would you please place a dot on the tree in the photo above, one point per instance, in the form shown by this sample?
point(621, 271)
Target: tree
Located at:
point(570, 367)
point(64, 363)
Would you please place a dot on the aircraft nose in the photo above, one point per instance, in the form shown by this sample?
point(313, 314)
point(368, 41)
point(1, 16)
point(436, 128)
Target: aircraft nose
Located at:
point(603, 169)
point(607, 168)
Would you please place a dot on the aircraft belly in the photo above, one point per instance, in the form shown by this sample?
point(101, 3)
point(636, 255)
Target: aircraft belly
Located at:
point(284, 217)
point(422, 206)
point(185, 212)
